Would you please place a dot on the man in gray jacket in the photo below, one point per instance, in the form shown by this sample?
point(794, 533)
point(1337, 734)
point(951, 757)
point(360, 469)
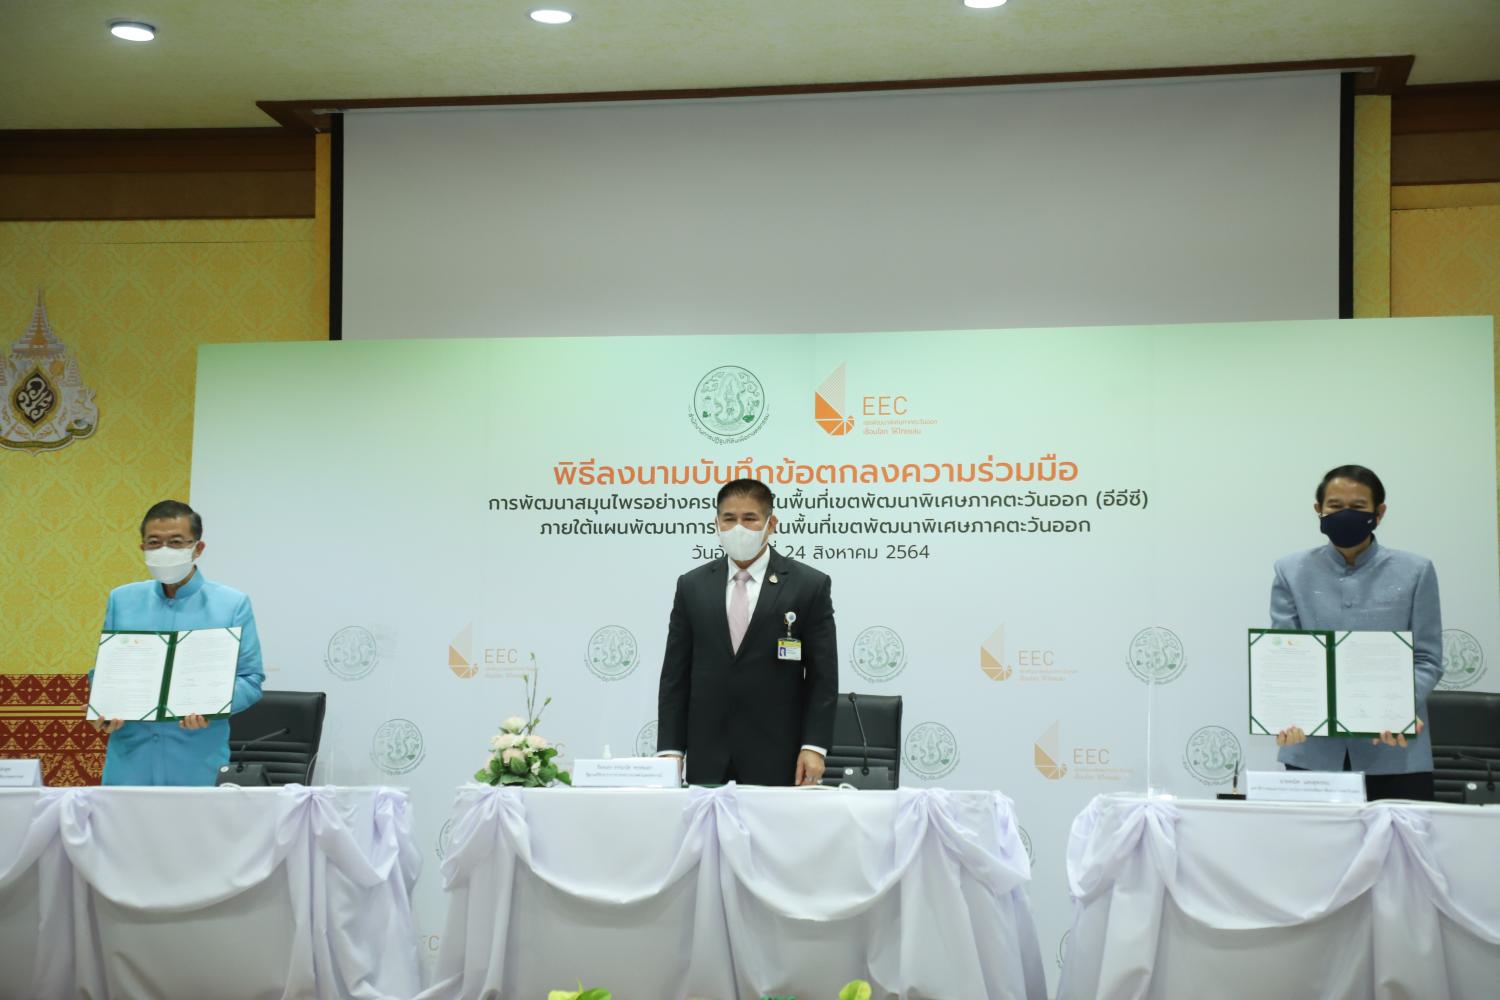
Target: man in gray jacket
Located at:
point(1354, 583)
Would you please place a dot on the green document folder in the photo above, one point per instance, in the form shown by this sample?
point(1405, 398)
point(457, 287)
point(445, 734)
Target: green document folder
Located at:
point(1344, 709)
point(171, 643)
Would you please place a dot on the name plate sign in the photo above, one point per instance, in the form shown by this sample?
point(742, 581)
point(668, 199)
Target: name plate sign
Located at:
point(1305, 786)
point(21, 773)
point(626, 772)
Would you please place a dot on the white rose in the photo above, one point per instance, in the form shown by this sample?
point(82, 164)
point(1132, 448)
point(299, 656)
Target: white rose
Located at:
point(514, 724)
point(536, 766)
point(537, 742)
point(497, 742)
point(508, 740)
point(512, 754)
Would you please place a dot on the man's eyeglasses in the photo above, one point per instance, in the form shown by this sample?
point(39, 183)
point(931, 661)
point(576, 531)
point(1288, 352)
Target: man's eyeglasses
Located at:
point(170, 543)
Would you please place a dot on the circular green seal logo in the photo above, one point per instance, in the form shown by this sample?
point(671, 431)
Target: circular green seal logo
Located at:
point(612, 653)
point(645, 740)
point(1212, 754)
point(1463, 660)
point(1156, 654)
point(397, 746)
point(1026, 843)
point(729, 404)
point(930, 751)
point(879, 654)
point(445, 840)
point(352, 653)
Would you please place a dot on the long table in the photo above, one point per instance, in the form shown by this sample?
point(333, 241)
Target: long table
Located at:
point(1189, 898)
point(206, 892)
point(736, 892)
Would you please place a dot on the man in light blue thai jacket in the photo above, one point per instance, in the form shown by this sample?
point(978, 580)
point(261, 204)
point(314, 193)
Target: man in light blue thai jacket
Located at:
point(191, 750)
point(1354, 583)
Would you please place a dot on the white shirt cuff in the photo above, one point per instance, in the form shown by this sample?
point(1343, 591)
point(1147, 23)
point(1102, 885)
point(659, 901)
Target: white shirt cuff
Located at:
point(817, 750)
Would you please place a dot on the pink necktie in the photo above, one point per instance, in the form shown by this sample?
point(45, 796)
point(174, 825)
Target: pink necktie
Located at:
point(739, 609)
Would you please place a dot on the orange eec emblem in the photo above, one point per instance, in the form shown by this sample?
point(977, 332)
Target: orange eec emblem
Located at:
point(828, 405)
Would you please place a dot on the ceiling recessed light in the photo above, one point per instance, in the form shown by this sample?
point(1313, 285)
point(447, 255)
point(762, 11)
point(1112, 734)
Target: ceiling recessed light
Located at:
point(132, 31)
point(549, 15)
point(984, 4)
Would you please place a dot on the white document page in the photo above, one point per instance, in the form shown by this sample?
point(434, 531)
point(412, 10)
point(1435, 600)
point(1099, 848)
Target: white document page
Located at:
point(203, 671)
point(1288, 683)
point(1374, 682)
point(127, 676)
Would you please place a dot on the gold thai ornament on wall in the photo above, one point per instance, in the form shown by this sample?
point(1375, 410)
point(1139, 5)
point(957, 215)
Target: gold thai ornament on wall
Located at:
point(46, 405)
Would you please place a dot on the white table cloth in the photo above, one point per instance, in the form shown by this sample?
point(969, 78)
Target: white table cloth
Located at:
point(206, 892)
point(1189, 898)
point(736, 892)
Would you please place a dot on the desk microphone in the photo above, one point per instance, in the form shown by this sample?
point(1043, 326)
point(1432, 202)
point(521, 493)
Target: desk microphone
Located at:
point(1489, 773)
point(242, 774)
point(866, 743)
point(261, 739)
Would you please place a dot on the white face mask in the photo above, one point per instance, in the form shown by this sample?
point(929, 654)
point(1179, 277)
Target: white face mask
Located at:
point(740, 543)
point(170, 566)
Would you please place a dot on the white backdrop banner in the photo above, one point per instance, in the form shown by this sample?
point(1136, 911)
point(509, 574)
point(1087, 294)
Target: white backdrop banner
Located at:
point(1023, 528)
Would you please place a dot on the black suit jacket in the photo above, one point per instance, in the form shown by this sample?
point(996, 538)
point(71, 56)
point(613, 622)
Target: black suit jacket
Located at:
point(748, 713)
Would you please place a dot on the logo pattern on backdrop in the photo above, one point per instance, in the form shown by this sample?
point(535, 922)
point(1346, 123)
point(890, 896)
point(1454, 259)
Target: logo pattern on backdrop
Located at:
point(46, 406)
point(352, 653)
point(397, 746)
point(828, 405)
point(612, 653)
point(729, 405)
point(645, 740)
point(1212, 754)
point(1463, 660)
point(1046, 754)
point(879, 654)
point(1026, 843)
point(1156, 654)
point(992, 656)
point(930, 751)
point(444, 840)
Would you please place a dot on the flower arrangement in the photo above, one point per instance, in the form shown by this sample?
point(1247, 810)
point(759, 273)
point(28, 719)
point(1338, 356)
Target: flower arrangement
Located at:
point(518, 755)
point(858, 989)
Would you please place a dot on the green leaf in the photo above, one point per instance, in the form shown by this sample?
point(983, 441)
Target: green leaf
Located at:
point(856, 990)
point(484, 776)
point(518, 765)
point(595, 994)
point(565, 777)
point(546, 774)
point(511, 779)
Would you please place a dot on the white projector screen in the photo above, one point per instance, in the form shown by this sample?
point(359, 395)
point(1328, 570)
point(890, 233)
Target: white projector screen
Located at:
point(1145, 202)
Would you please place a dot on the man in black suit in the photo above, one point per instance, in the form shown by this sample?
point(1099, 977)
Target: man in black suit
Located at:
point(751, 671)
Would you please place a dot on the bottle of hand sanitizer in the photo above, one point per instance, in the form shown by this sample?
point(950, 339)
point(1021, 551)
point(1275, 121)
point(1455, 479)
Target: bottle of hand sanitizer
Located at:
point(607, 754)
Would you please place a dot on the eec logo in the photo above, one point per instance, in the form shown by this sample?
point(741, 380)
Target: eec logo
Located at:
point(828, 405)
point(1212, 755)
point(1046, 754)
point(612, 653)
point(397, 747)
point(1463, 660)
point(992, 656)
point(931, 750)
point(729, 405)
point(879, 654)
point(352, 653)
point(498, 661)
point(1156, 654)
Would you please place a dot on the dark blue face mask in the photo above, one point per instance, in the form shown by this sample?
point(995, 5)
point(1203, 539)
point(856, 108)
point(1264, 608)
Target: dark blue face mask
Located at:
point(1348, 527)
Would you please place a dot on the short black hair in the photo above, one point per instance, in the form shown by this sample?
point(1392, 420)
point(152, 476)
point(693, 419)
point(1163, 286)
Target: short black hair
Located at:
point(1357, 473)
point(165, 510)
point(752, 488)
